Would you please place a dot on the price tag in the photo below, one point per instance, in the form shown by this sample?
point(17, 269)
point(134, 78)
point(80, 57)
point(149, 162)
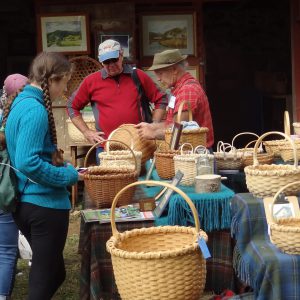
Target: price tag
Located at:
point(172, 102)
point(204, 249)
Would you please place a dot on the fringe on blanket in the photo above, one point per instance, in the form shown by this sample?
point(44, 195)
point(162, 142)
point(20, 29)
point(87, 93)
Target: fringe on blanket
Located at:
point(216, 213)
point(241, 268)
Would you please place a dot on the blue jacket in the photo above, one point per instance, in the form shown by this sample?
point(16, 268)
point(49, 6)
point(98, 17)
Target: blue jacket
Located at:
point(30, 148)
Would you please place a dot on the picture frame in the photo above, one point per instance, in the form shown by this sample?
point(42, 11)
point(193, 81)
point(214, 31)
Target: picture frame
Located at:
point(175, 137)
point(168, 31)
point(194, 71)
point(285, 210)
point(67, 33)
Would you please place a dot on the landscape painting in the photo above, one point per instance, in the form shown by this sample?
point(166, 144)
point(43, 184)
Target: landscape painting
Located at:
point(67, 33)
point(162, 32)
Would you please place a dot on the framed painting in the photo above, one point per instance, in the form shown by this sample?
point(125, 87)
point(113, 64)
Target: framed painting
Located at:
point(66, 33)
point(168, 31)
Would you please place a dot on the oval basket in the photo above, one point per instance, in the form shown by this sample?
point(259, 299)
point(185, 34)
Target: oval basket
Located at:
point(75, 134)
point(103, 183)
point(285, 232)
point(147, 147)
point(243, 149)
point(195, 136)
point(158, 263)
point(116, 158)
point(264, 180)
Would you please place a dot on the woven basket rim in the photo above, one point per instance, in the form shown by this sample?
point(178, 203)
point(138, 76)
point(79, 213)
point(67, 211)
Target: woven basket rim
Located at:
point(285, 225)
point(191, 157)
point(112, 243)
point(119, 154)
point(271, 170)
point(110, 173)
point(194, 130)
point(168, 153)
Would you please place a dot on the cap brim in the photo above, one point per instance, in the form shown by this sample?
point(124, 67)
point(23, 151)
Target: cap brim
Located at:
point(162, 66)
point(109, 55)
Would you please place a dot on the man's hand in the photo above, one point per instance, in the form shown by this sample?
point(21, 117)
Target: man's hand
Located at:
point(94, 136)
point(145, 131)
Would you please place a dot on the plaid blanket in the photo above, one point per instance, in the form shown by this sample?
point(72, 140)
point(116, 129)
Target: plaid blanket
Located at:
point(271, 273)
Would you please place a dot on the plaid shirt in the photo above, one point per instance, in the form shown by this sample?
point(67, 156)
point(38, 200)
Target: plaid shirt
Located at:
point(187, 88)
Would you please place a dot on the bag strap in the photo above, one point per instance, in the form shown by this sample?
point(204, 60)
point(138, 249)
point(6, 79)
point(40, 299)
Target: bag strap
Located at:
point(144, 101)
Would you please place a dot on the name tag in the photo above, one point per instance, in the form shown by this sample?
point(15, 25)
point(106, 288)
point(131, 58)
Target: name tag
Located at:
point(204, 249)
point(172, 102)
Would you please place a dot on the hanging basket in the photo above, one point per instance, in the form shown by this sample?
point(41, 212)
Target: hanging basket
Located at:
point(195, 136)
point(227, 157)
point(158, 263)
point(147, 147)
point(122, 157)
point(264, 180)
point(285, 232)
point(103, 183)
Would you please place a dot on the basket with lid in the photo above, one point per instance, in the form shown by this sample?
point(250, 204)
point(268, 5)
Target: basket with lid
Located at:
point(163, 262)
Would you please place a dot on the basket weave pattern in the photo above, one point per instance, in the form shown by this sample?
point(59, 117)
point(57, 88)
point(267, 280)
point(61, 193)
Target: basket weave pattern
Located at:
point(75, 134)
point(158, 263)
point(164, 163)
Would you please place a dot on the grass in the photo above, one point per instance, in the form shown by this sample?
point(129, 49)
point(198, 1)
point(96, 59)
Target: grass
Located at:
point(70, 288)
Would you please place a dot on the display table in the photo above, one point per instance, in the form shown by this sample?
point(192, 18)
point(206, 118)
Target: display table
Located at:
point(271, 273)
point(96, 279)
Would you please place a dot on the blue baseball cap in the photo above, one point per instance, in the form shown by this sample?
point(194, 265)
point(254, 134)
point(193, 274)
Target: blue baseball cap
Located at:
point(109, 49)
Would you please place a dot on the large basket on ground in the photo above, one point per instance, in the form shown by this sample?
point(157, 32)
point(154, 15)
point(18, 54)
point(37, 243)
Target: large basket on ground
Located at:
point(121, 157)
point(103, 183)
point(147, 147)
point(195, 136)
point(158, 263)
point(164, 163)
point(227, 157)
point(264, 180)
point(285, 232)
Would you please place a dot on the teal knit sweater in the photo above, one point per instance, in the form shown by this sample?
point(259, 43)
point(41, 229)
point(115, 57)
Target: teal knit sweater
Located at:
point(30, 148)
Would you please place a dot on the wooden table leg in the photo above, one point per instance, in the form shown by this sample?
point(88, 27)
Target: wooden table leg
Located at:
point(74, 187)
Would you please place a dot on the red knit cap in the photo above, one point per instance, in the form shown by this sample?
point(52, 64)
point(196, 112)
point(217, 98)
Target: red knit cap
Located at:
point(14, 82)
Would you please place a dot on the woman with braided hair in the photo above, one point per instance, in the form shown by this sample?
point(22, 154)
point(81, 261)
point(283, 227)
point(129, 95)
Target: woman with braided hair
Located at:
point(42, 214)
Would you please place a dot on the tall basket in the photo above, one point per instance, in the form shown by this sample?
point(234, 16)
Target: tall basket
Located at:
point(264, 180)
point(195, 136)
point(103, 183)
point(158, 263)
point(285, 232)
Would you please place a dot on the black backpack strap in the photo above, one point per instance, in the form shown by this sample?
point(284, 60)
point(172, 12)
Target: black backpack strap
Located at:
point(144, 101)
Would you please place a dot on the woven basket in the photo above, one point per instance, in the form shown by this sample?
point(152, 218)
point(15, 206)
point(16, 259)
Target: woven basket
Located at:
point(116, 158)
point(164, 162)
point(286, 151)
point(103, 183)
point(274, 145)
point(264, 180)
point(296, 126)
point(84, 66)
point(250, 150)
point(285, 232)
point(263, 158)
point(158, 263)
point(75, 134)
point(147, 147)
point(192, 136)
point(227, 157)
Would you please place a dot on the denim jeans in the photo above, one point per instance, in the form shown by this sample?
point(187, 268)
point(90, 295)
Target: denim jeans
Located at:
point(8, 252)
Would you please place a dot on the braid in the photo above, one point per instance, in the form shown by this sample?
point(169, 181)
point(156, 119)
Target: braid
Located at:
point(48, 105)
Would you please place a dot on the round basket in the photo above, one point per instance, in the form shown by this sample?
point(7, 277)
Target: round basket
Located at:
point(75, 134)
point(285, 232)
point(264, 180)
point(195, 136)
point(158, 263)
point(164, 163)
point(286, 151)
point(147, 147)
point(227, 157)
point(116, 158)
point(250, 150)
point(103, 183)
point(263, 158)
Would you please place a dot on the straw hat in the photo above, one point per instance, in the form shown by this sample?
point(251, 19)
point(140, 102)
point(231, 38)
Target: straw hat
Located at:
point(166, 58)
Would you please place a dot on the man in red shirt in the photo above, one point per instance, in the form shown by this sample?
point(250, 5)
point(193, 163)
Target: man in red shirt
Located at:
point(169, 68)
point(113, 95)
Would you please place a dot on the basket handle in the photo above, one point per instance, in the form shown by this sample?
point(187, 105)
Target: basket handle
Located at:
point(186, 144)
point(179, 112)
point(287, 124)
point(255, 160)
point(152, 183)
point(114, 131)
point(246, 147)
point(101, 142)
point(202, 148)
point(243, 133)
point(277, 194)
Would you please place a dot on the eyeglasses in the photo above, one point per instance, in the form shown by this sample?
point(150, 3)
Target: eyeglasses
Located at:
point(110, 61)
